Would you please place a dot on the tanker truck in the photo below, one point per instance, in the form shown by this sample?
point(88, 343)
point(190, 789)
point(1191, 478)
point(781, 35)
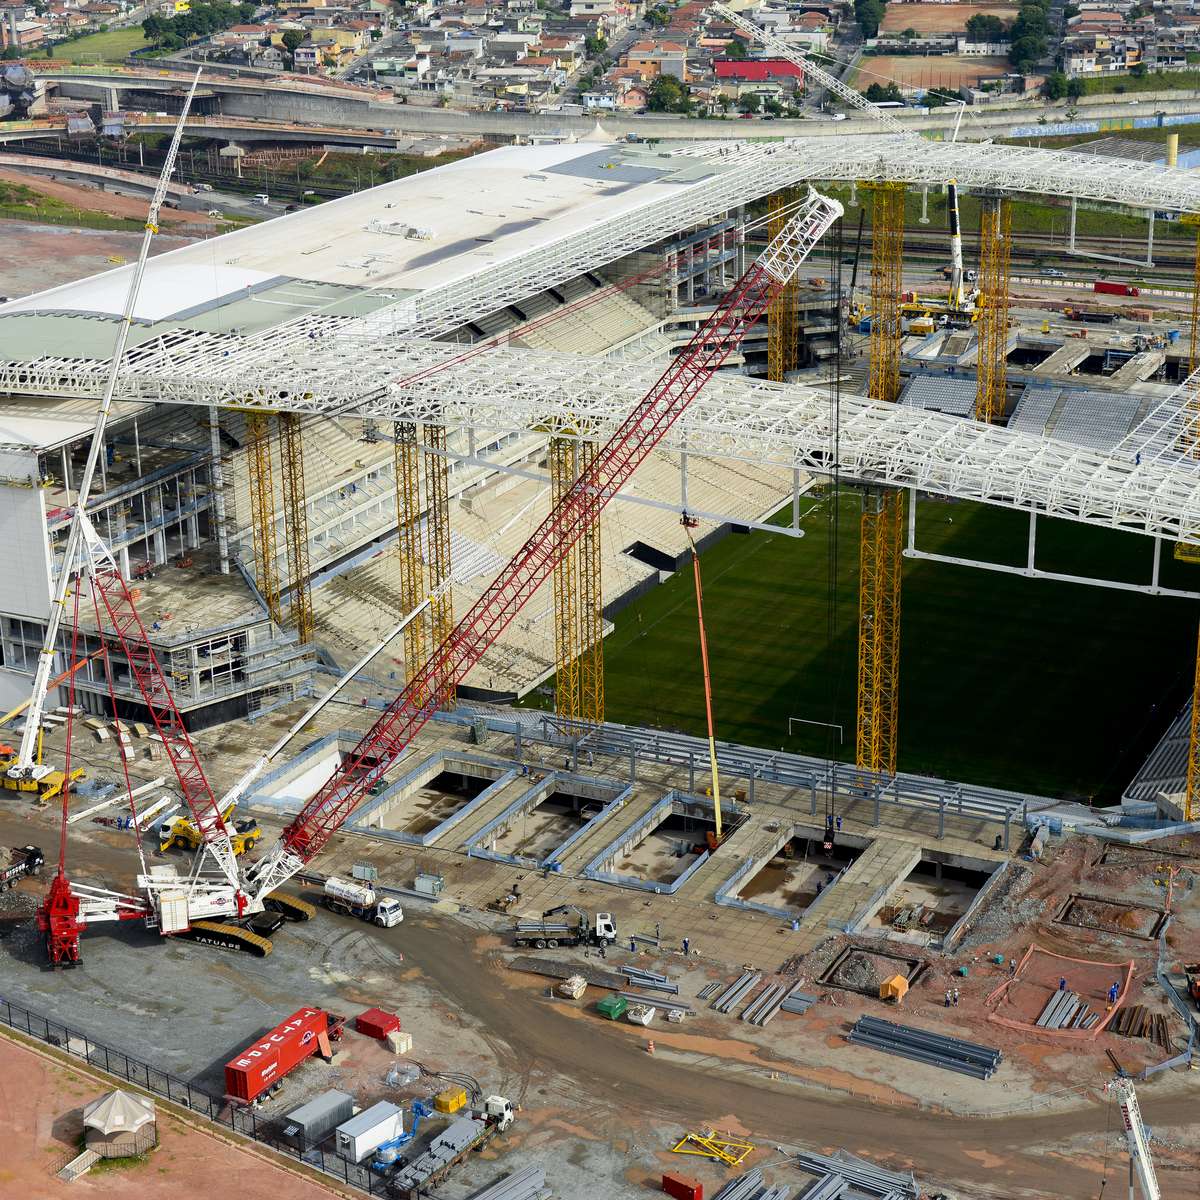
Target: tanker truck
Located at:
point(358, 900)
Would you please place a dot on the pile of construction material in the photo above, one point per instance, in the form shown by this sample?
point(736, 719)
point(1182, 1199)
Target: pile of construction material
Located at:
point(751, 1187)
point(527, 1184)
point(728, 999)
point(650, 981)
point(798, 1002)
point(1138, 1021)
point(1065, 1010)
point(922, 1045)
point(564, 970)
point(838, 1175)
point(768, 1002)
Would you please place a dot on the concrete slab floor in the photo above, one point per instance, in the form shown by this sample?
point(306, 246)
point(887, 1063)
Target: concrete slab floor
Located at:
point(535, 834)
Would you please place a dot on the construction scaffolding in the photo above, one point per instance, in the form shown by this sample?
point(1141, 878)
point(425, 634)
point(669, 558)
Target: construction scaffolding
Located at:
point(406, 460)
point(295, 524)
point(591, 612)
point(437, 489)
point(995, 244)
point(262, 511)
point(782, 327)
point(881, 529)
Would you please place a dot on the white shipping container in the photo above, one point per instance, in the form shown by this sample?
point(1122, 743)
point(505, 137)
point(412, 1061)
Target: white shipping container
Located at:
point(362, 1135)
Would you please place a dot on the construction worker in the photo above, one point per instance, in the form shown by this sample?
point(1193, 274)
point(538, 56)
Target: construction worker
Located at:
point(1062, 983)
point(956, 997)
point(632, 946)
point(839, 822)
point(687, 943)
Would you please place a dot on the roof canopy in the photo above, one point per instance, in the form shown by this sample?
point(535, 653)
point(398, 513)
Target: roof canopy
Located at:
point(119, 1112)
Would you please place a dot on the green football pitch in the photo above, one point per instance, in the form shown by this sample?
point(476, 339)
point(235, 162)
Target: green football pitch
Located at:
point(1037, 685)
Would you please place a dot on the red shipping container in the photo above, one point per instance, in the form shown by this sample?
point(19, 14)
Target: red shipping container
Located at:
point(1115, 289)
point(376, 1023)
point(266, 1061)
point(683, 1187)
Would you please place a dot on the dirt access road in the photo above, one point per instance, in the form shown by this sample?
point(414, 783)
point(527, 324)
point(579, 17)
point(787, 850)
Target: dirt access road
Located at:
point(994, 1157)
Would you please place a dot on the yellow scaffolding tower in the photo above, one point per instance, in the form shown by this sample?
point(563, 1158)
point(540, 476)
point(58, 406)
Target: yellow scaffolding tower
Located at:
point(437, 486)
point(562, 461)
point(406, 460)
point(262, 511)
point(881, 530)
point(295, 523)
point(782, 327)
point(591, 612)
point(995, 244)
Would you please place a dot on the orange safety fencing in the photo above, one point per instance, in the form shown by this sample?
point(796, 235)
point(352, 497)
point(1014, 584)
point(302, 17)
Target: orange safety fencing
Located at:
point(1020, 1000)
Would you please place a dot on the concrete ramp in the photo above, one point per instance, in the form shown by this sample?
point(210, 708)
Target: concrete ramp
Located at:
point(1065, 359)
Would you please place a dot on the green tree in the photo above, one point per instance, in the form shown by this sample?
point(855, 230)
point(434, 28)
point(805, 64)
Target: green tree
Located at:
point(10, 52)
point(595, 45)
point(869, 15)
point(658, 16)
point(878, 94)
point(735, 49)
point(1055, 87)
point(667, 94)
point(1026, 52)
point(1075, 89)
point(750, 103)
point(984, 28)
point(292, 38)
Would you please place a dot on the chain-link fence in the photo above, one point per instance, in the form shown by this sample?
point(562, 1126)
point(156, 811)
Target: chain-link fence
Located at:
point(244, 1120)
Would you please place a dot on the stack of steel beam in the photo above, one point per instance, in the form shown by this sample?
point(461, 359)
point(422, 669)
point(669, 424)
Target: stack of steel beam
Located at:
point(735, 992)
point(1065, 1010)
point(658, 1002)
point(767, 1003)
point(798, 1002)
point(649, 979)
point(859, 1174)
point(751, 1187)
point(828, 1187)
point(529, 1183)
point(922, 1045)
point(709, 990)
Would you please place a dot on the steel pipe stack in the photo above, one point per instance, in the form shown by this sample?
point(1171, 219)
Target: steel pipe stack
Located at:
point(527, 1184)
point(751, 1187)
point(922, 1045)
point(1065, 1010)
point(863, 1176)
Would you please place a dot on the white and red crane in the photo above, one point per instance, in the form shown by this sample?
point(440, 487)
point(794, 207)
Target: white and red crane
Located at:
point(175, 903)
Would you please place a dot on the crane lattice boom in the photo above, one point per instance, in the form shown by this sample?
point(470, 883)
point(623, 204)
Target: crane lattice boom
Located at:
point(579, 506)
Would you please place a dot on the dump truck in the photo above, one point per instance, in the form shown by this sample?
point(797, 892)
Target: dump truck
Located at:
point(358, 900)
point(578, 929)
point(26, 860)
point(451, 1146)
point(180, 834)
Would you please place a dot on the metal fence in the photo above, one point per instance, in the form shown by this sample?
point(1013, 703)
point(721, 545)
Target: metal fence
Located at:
point(244, 1120)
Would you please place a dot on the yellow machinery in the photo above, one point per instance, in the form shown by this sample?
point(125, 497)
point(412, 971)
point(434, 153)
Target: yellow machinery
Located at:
point(729, 1151)
point(995, 243)
point(881, 545)
point(262, 511)
point(295, 524)
point(782, 327)
point(183, 835)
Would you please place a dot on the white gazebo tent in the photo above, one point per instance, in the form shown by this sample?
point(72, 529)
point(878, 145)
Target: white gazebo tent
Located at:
point(120, 1124)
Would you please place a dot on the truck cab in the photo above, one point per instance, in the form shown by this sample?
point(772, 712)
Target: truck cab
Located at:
point(388, 913)
point(606, 929)
point(498, 1111)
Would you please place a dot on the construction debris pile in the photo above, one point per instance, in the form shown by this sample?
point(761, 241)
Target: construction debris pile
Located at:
point(922, 1045)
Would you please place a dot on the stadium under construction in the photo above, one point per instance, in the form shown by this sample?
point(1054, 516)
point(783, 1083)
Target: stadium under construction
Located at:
point(430, 444)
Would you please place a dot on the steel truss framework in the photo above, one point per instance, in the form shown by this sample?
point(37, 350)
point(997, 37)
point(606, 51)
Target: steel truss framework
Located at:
point(437, 487)
point(563, 469)
point(405, 456)
point(262, 511)
point(995, 242)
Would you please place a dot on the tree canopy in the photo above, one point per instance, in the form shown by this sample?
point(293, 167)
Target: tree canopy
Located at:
point(204, 19)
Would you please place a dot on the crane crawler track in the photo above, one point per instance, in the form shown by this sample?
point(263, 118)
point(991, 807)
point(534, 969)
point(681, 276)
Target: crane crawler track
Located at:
point(228, 937)
point(289, 906)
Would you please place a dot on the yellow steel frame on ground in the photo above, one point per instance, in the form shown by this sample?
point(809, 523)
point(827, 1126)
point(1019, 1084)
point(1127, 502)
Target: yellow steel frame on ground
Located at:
point(591, 612)
point(262, 511)
point(406, 460)
point(782, 326)
point(881, 529)
point(995, 245)
point(561, 459)
point(711, 1145)
point(295, 523)
point(437, 485)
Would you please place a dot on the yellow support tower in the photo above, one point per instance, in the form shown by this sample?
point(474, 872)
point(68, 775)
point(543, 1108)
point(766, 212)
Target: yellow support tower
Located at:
point(782, 327)
point(262, 511)
point(591, 613)
point(295, 523)
point(995, 244)
point(562, 461)
point(437, 486)
point(881, 546)
point(406, 460)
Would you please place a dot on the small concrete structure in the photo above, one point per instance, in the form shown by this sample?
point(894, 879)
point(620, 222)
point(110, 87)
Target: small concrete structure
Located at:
point(120, 1124)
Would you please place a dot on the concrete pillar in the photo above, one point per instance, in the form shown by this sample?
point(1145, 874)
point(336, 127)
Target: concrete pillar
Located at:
point(924, 204)
point(1150, 238)
point(217, 478)
point(853, 193)
point(156, 516)
point(1172, 149)
point(1071, 235)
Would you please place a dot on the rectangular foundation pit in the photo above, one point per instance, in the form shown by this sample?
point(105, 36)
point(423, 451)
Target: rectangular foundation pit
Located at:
point(432, 798)
point(1107, 915)
point(666, 846)
point(863, 968)
point(798, 873)
point(547, 819)
point(932, 898)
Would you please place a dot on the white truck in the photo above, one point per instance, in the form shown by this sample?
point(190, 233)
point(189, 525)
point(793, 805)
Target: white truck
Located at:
point(358, 900)
point(578, 930)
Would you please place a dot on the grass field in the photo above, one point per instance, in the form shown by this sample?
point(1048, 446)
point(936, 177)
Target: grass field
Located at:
point(1152, 81)
point(112, 47)
point(1027, 684)
point(940, 18)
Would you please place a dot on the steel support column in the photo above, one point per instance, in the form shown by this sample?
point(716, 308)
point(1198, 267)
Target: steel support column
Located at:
point(591, 612)
point(563, 465)
point(995, 244)
point(406, 463)
point(437, 487)
point(295, 524)
point(782, 327)
point(882, 526)
point(262, 511)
